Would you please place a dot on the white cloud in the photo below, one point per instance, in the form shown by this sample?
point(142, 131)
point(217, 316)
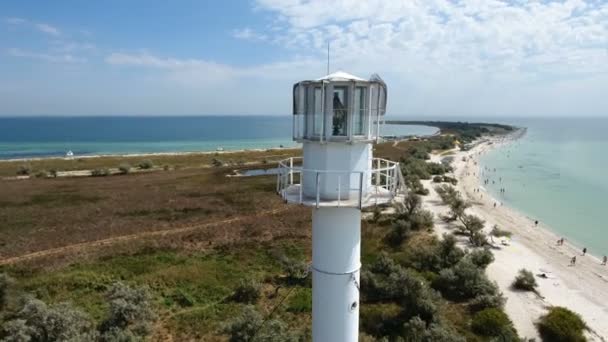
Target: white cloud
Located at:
point(48, 29)
point(248, 34)
point(42, 27)
point(54, 58)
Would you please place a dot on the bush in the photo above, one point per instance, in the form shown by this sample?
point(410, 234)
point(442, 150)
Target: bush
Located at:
point(497, 232)
point(6, 282)
point(124, 168)
point(417, 330)
point(561, 325)
point(301, 301)
point(466, 280)
point(250, 325)
point(482, 257)
point(24, 170)
point(146, 164)
point(100, 172)
point(492, 322)
point(217, 163)
point(297, 271)
point(53, 173)
point(42, 174)
point(437, 179)
point(525, 281)
point(130, 309)
point(248, 291)
point(36, 321)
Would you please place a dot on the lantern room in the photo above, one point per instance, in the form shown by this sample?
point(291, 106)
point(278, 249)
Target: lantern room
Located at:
point(338, 107)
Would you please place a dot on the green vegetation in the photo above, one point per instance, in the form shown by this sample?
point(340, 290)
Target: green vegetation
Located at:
point(24, 170)
point(497, 232)
point(494, 323)
point(102, 172)
point(145, 164)
point(248, 291)
point(124, 168)
point(241, 280)
point(129, 317)
point(561, 325)
point(525, 281)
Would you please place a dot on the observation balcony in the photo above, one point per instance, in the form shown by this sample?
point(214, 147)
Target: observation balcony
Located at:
point(380, 184)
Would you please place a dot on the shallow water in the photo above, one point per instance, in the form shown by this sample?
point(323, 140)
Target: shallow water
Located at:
point(556, 174)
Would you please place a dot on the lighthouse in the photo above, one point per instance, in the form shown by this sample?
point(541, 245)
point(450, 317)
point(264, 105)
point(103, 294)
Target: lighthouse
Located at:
point(337, 118)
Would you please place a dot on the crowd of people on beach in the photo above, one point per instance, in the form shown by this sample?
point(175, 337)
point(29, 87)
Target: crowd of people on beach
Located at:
point(484, 175)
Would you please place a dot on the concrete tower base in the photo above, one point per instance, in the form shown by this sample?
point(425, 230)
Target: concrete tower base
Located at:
point(336, 251)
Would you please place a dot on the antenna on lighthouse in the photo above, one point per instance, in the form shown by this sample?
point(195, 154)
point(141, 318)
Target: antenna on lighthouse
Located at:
point(327, 58)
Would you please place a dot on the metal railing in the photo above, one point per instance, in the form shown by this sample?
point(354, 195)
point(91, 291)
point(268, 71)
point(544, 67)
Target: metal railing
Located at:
point(348, 188)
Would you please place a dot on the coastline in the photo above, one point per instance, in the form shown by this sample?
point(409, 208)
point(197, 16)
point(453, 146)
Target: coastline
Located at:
point(579, 288)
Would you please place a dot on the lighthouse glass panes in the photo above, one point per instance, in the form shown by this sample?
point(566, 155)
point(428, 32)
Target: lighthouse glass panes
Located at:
point(338, 107)
point(359, 112)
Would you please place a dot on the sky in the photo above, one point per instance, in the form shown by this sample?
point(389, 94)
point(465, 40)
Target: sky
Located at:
point(438, 57)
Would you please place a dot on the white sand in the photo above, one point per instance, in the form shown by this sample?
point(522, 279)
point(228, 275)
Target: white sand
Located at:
point(582, 288)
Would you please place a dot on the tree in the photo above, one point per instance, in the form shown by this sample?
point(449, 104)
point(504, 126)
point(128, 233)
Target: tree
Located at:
point(525, 281)
point(561, 325)
point(472, 226)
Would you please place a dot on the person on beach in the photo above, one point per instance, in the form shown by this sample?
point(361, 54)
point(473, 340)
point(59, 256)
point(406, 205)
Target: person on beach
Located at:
point(536, 223)
point(604, 260)
point(573, 261)
point(494, 204)
point(584, 251)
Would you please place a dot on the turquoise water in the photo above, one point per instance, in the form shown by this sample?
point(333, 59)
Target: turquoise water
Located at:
point(54, 136)
point(556, 174)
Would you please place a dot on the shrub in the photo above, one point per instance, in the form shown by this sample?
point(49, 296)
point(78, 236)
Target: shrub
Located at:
point(24, 170)
point(561, 325)
point(482, 257)
point(250, 326)
point(217, 163)
point(437, 179)
point(130, 309)
point(100, 172)
point(248, 291)
point(36, 321)
point(465, 280)
point(53, 173)
point(301, 301)
point(296, 270)
point(494, 299)
point(146, 164)
point(417, 330)
point(492, 322)
point(525, 281)
point(124, 168)
point(6, 282)
point(42, 174)
point(497, 232)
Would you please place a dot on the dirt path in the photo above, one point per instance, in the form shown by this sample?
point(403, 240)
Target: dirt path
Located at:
point(74, 248)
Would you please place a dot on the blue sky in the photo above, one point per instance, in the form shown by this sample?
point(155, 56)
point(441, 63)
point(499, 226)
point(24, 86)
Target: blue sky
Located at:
point(439, 57)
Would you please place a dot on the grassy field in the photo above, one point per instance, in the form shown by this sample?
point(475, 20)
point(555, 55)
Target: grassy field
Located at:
point(190, 234)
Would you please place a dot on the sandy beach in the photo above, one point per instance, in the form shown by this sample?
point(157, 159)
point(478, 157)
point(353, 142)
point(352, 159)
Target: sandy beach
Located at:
point(582, 288)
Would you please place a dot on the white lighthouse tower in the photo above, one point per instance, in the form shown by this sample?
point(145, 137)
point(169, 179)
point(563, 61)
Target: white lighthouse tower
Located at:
point(337, 118)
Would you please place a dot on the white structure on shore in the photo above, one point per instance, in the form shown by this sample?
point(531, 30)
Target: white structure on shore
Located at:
point(337, 118)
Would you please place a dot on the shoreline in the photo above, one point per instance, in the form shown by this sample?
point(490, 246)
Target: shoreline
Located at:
point(579, 288)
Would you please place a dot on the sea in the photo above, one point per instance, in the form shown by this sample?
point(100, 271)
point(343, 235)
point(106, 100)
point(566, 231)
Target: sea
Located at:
point(557, 174)
point(37, 137)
